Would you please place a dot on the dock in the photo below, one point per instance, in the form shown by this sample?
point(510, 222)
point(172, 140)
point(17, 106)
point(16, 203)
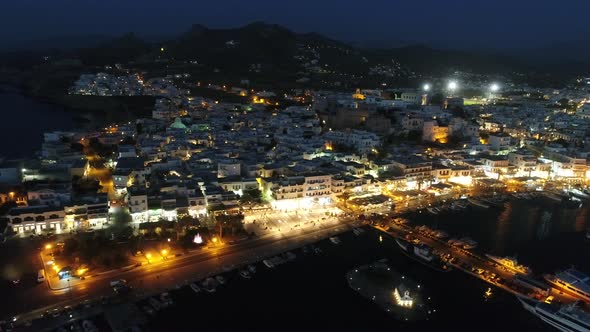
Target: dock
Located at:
point(474, 264)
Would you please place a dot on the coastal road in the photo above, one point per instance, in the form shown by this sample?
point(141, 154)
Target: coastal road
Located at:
point(158, 276)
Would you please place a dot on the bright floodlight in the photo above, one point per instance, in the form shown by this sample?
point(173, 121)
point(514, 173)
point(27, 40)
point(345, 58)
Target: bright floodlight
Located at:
point(452, 85)
point(494, 87)
point(426, 87)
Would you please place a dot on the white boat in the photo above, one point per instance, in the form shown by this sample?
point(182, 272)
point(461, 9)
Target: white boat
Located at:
point(468, 243)
point(579, 193)
point(290, 256)
point(335, 240)
point(402, 244)
point(432, 210)
point(573, 282)
point(252, 269)
point(478, 203)
point(552, 196)
point(440, 234)
point(268, 263)
point(195, 288)
point(209, 285)
point(510, 263)
point(588, 233)
point(567, 318)
point(423, 251)
point(245, 274)
point(455, 242)
point(220, 279)
point(358, 231)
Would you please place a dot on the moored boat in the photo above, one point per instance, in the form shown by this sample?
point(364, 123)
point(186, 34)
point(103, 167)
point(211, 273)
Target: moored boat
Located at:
point(566, 317)
point(571, 281)
point(510, 263)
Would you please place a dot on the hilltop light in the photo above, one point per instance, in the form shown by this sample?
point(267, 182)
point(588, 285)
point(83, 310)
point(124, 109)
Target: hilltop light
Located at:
point(494, 87)
point(426, 87)
point(161, 49)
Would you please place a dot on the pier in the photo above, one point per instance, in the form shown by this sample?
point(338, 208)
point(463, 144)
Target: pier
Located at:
point(475, 264)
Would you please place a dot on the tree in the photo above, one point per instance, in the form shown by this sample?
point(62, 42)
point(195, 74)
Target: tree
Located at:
point(251, 197)
point(71, 245)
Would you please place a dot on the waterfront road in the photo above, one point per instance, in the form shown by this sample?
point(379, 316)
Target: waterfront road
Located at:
point(165, 274)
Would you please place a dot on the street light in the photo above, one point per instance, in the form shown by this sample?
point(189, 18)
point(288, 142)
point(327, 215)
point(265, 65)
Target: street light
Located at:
point(494, 87)
point(426, 87)
point(148, 256)
point(164, 252)
point(452, 85)
point(48, 246)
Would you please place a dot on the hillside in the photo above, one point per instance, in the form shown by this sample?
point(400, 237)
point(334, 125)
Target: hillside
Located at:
point(267, 47)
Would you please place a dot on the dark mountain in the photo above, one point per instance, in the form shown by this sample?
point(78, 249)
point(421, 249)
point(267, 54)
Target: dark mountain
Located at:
point(277, 48)
point(425, 59)
point(123, 49)
point(281, 53)
point(258, 43)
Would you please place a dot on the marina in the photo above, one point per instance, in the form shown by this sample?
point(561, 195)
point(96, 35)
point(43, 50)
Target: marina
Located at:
point(501, 272)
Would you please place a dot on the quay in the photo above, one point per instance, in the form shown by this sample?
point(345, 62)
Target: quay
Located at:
point(475, 264)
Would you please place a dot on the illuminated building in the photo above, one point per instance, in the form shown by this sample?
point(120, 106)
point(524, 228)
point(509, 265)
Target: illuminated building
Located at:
point(402, 297)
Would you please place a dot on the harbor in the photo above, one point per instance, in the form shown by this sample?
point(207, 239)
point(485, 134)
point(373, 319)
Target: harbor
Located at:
point(497, 271)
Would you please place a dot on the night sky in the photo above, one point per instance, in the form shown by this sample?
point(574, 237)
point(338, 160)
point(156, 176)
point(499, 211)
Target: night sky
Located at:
point(452, 23)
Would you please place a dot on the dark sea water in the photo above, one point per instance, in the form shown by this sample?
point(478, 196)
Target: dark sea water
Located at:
point(24, 120)
point(311, 293)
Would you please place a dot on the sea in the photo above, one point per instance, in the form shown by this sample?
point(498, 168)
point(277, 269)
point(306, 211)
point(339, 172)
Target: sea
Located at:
point(25, 119)
point(311, 293)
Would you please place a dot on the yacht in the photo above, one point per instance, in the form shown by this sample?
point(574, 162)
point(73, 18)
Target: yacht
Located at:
point(335, 240)
point(573, 282)
point(268, 263)
point(245, 274)
point(468, 243)
point(478, 203)
point(572, 202)
point(440, 234)
point(552, 196)
point(423, 251)
point(358, 231)
point(567, 318)
point(423, 254)
point(403, 244)
point(580, 194)
point(220, 279)
point(432, 210)
point(510, 263)
point(195, 288)
point(209, 285)
point(252, 269)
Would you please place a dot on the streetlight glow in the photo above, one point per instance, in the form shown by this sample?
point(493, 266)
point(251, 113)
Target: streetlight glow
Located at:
point(426, 87)
point(48, 246)
point(452, 85)
point(494, 87)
